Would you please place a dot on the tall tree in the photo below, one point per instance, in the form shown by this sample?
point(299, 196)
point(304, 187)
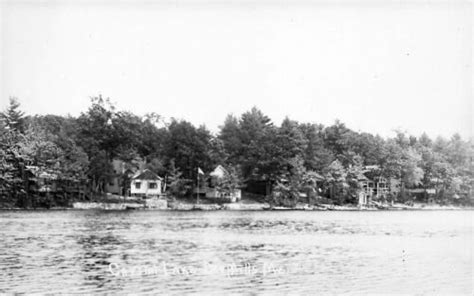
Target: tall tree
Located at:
point(96, 131)
point(231, 139)
point(291, 139)
point(335, 178)
point(258, 157)
point(12, 167)
point(189, 147)
point(97, 137)
point(13, 118)
point(316, 156)
point(336, 138)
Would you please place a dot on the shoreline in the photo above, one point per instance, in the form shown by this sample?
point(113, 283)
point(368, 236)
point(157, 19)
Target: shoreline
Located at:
point(187, 207)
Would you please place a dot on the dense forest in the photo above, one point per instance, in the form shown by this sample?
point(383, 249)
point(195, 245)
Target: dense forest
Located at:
point(285, 157)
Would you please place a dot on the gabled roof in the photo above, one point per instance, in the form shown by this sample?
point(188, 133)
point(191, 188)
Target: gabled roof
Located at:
point(316, 176)
point(146, 175)
point(362, 177)
point(219, 172)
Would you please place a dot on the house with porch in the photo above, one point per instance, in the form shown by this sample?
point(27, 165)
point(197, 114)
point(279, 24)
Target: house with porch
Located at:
point(376, 187)
point(145, 184)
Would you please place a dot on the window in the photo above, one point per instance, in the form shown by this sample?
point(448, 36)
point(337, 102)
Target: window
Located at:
point(137, 185)
point(152, 185)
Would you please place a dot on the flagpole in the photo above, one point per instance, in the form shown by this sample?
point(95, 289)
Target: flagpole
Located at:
point(197, 192)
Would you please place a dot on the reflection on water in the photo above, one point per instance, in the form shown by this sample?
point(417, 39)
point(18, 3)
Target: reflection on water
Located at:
point(236, 252)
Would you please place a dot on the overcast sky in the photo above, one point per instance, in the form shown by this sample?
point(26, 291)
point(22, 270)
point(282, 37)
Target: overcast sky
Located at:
point(376, 67)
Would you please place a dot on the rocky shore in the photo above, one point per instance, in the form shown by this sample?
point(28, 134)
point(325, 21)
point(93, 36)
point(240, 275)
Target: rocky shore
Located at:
point(246, 205)
point(239, 206)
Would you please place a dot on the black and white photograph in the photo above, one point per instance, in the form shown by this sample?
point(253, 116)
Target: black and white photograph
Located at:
point(236, 147)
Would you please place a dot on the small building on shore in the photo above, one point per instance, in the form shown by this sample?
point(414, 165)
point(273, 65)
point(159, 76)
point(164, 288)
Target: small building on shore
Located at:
point(146, 184)
point(213, 190)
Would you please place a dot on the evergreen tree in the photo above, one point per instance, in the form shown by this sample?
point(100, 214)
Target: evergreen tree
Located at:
point(13, 118)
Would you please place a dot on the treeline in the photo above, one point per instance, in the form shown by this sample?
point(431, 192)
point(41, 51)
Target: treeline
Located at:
point(286, 157)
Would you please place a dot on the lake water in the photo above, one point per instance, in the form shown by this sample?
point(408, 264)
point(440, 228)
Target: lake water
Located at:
point(415, 252)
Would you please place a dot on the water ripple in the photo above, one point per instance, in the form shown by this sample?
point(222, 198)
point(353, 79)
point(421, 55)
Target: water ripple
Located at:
point(235, 252)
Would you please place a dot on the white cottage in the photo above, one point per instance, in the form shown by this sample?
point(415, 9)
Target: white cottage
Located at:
point(216, 176)
point(219, 172)
point(146, 184)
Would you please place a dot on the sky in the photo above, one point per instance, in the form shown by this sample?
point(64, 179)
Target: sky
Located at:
point(375, 65)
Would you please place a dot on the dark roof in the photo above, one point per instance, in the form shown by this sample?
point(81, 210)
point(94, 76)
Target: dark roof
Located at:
point(146, 175)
